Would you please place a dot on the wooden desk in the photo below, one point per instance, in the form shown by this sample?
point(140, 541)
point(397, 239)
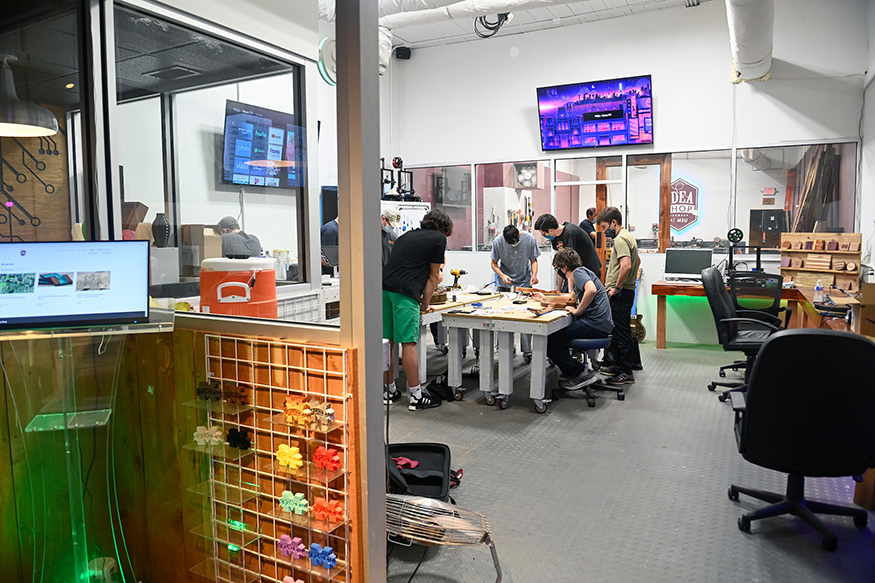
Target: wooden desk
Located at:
point(505, 319)
point(663, 289)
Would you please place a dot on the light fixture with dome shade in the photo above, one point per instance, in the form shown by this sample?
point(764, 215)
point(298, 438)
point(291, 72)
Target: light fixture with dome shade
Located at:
point(21, 119)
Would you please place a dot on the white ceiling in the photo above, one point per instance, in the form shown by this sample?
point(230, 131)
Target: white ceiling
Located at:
point(457, 31)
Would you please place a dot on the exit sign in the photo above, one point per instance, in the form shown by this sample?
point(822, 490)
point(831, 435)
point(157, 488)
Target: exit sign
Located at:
point(770, 191)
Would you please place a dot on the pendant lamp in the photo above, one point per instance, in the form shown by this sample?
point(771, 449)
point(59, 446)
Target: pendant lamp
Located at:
point(21, 118)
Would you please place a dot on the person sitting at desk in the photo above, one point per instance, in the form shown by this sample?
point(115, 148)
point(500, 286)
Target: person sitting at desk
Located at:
point(236, 243)
point(592, 319)
point(328, 237)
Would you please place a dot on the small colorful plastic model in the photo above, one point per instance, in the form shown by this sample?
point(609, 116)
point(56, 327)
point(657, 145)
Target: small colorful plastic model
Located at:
point(294, 503)
point(327, 510)
point(239, 438)
point(289, 457)
point(297, 412)
point(209, 390)
point(323, 413)
point(326, 458)
point(235, 394)
point(322, 556)
point(208, 435)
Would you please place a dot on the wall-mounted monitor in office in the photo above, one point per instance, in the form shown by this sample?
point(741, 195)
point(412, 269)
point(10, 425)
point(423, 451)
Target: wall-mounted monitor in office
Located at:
point(73, 284)
point(686, 264)
point(612, 112)
point(262, 147)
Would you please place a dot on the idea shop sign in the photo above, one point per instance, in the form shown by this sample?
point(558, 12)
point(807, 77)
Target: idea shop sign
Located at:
point(684, 204)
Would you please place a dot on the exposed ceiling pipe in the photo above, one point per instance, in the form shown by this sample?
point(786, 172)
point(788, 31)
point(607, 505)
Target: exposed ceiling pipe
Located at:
point(751, 29)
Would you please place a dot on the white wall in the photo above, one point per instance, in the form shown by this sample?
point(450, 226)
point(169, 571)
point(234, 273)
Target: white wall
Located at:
point(867, 181)
point(139, 153)
point(203, 198)
point(474, 102)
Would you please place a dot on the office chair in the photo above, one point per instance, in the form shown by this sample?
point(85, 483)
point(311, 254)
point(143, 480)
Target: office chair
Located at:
point(734, 333)
point(756, 295)
point(583, 346)
point(788, 422)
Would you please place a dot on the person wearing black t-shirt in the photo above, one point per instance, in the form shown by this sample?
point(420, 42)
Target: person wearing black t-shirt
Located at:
point(569, 236)
point(409, 280)
point(587, 224)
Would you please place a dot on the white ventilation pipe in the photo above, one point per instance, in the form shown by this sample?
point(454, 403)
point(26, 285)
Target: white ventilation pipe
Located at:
point(751, 28)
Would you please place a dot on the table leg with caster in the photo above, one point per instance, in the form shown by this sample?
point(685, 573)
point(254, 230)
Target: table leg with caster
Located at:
point(486, 362)
point(454, 362)
point(505, 366)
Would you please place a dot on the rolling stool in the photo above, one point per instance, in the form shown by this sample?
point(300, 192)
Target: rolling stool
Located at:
point(583, 345)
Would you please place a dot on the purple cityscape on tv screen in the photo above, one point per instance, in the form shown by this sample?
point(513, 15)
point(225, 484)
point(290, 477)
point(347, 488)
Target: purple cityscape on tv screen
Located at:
point(616, 112)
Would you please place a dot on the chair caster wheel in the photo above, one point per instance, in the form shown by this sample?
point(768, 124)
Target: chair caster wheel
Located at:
point(540, 407)
point(743, 524)
point(830, 543)
point(861, 521)
point(458, 395)
point(503, 402)
point(723, 374)
point(621, 396)
point(590, 402)
point(444, 349)
point(722, 398)
point(712, 387)
point(489, 398)
point(527, 358)
point(733, 495)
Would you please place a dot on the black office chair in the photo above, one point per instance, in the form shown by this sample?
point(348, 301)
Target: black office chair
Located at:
point(743, 334)
point(797, 419)
point(757, 295)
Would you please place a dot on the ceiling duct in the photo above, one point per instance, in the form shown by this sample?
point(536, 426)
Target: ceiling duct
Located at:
point(751, 29)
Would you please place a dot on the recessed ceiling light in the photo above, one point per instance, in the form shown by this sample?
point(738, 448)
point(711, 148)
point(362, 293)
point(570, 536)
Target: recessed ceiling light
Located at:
point(69, 85)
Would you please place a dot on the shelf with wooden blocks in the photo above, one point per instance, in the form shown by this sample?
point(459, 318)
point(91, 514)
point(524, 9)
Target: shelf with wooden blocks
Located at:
point(832, 258)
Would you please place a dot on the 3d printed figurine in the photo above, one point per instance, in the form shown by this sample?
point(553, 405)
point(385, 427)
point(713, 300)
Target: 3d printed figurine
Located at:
point(289, 457)
point(326, 458)
point(208, 435)
point(297, 412)
point(161, 230)
point(294, 503)
point(235, 394)
point(323, 414)
point(207, 390)
point(329, 511)
point(299, 551)
point(322, 556)
point(239, 438)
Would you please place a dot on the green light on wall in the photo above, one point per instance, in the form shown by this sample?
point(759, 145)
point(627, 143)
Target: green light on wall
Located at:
point(233, 548)
point(236, 525)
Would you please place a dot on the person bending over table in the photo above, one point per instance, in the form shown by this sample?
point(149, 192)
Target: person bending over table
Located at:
point(515, 263)
point(622, 356)
point(592, 319)
point(569, 236)
point(409, 280)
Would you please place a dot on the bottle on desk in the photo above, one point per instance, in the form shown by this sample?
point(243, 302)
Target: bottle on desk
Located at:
point(818, 291)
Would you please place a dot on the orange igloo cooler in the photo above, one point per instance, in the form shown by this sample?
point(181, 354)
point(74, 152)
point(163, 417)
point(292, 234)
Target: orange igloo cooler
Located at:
point(239, 287)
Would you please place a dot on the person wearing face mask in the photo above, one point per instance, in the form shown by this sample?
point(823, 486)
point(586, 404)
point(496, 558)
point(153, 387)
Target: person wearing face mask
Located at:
point(592, 319)
point(391, 220)
point(569, 236)
point(515, 262)
point(622, 356)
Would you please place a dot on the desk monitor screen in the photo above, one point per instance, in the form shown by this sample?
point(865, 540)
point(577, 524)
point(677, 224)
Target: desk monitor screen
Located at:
point(686, 263)
point(331, 254)
point(73, 284)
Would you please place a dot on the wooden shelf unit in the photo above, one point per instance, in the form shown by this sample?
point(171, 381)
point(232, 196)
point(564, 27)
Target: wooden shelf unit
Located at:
point(807, 277)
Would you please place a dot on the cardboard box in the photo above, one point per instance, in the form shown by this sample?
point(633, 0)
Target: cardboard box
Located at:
point(199, 242)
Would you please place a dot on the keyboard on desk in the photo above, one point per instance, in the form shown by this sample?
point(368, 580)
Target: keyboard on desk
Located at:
point(683, 279)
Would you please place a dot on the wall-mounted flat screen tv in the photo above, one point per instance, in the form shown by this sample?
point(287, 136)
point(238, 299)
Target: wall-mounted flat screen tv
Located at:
point(614, 112)
point(73, 284)
point(262, 147)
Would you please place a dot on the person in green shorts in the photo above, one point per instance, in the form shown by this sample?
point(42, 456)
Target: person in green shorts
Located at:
point(409, 280)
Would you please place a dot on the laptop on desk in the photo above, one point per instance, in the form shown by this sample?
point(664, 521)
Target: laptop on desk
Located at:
point(686, 265)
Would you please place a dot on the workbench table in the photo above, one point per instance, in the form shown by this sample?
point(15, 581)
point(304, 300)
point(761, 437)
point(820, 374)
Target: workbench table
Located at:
point(504, 319)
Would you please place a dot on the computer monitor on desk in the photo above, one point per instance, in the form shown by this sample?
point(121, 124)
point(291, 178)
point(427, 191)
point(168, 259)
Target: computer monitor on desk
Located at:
point(686, 264)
